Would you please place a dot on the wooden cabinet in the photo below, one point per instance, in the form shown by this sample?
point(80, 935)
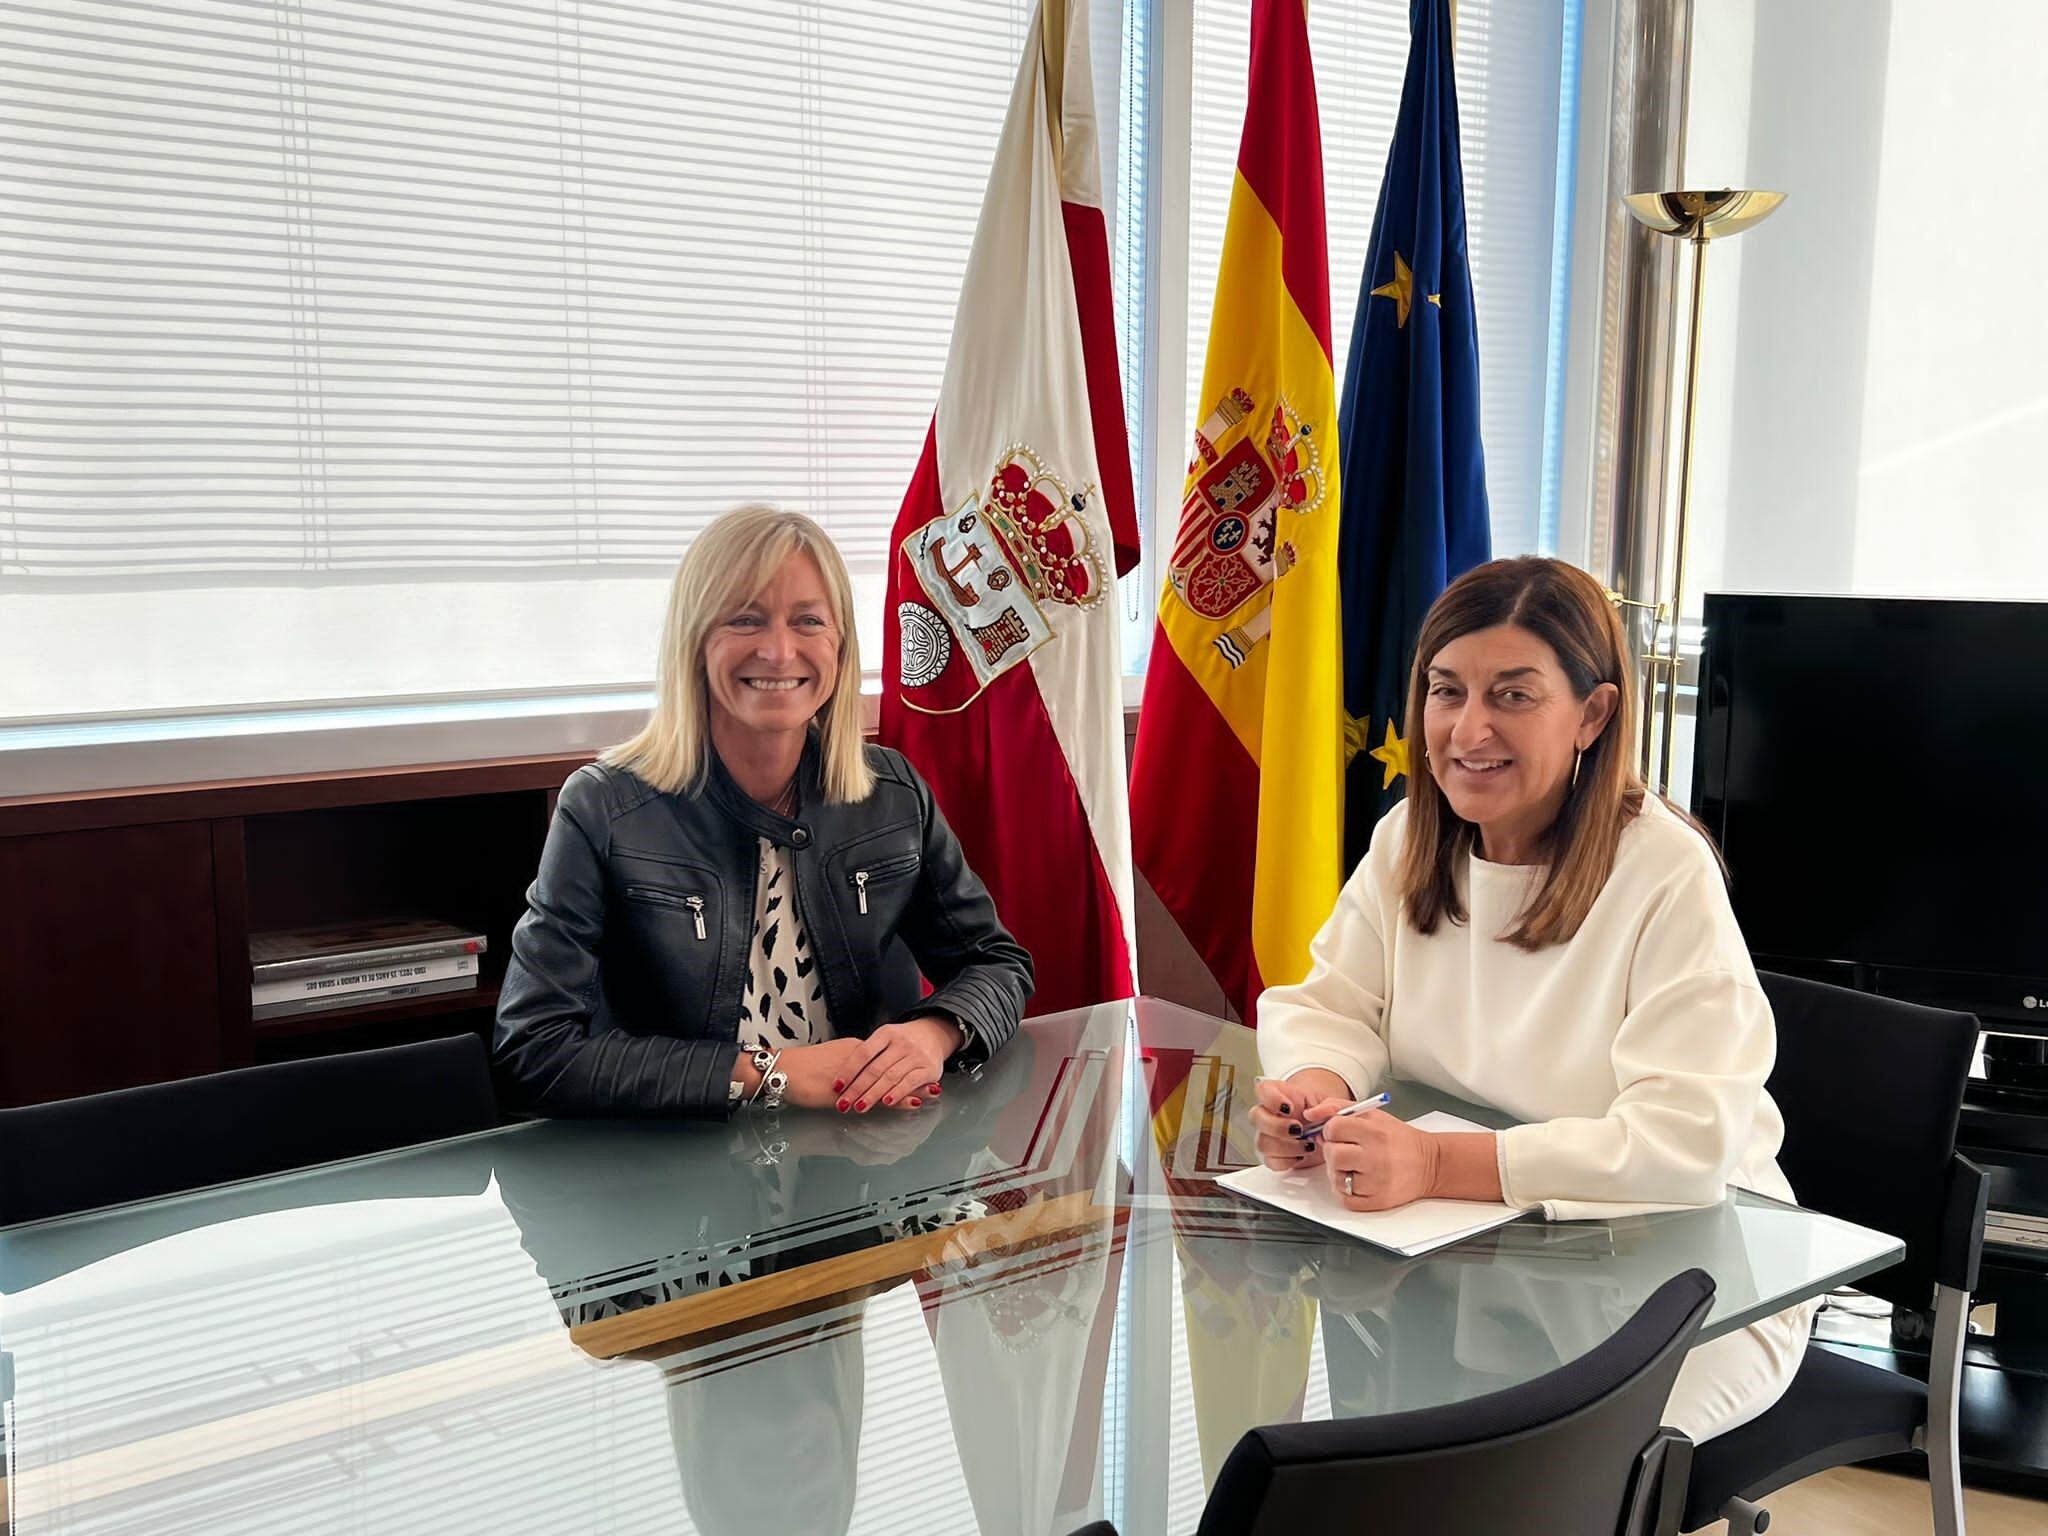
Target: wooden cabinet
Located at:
point(125, 917)
point(99, 926)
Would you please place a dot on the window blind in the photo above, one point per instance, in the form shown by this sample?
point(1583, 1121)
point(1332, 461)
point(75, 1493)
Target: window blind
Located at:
point(368, 350)
point(1509, 61)
point(353, 285)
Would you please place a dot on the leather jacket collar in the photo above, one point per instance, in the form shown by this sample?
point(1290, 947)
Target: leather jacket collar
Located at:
point(724, 792)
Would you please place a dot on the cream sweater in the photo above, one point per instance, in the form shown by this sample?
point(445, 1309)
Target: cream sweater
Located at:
point(1636, 1053)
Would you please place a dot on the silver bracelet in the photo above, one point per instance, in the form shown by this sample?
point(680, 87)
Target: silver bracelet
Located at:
point(763, 1061)
point(768, 1092)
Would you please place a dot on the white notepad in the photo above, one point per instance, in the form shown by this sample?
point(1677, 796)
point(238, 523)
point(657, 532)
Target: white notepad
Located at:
point(1420, 1228)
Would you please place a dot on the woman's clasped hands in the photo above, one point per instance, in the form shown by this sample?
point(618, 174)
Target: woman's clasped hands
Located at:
point(1373, 1161)
point(897, 1066)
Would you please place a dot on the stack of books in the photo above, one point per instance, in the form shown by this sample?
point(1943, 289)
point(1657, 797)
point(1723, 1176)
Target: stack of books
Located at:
point(346, 965)
point(2016, 1229)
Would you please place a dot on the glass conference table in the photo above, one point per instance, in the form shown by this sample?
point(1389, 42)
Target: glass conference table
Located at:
point(1013, 1313)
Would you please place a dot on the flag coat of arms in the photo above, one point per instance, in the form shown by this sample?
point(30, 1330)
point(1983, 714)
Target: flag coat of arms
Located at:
point(1414, 476)
point(1237, 784)
point(1001, 668)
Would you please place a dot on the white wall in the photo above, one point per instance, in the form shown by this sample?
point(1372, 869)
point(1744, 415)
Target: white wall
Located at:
point(1872, 379)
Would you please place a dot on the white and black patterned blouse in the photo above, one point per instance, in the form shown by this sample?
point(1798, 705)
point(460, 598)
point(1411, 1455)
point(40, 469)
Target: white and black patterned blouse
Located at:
point(784, 1004)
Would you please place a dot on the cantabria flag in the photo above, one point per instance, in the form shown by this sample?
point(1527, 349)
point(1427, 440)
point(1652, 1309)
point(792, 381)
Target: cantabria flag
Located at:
point(1001, 666)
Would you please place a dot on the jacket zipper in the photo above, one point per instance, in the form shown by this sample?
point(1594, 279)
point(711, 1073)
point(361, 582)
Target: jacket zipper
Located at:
point(860, 877)
point(661, 898)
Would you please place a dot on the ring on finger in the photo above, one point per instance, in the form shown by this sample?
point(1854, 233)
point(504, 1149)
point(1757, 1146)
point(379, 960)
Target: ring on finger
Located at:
point(1349, 1192)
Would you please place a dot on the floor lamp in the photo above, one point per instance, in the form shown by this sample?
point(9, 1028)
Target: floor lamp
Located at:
point(1696, 217)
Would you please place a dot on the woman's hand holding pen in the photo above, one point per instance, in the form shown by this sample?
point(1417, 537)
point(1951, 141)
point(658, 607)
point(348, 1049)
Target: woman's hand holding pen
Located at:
point(1308, 1120)
point(1283, 1113)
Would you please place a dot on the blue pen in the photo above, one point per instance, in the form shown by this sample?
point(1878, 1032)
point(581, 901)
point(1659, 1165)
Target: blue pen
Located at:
point(1377, 1101)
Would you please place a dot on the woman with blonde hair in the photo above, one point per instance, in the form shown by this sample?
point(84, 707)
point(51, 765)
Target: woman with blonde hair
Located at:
point(1532, 930)
point(719, 896)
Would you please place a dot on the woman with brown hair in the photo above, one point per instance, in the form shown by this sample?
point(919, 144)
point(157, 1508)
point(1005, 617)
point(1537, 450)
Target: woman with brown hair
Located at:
point(1532, 930)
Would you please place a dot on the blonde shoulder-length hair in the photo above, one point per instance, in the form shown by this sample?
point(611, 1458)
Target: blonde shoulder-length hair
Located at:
point(1569, 611)
point(726, 568)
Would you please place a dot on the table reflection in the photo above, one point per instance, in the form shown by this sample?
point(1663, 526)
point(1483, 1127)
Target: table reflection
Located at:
point(1257, 1287)
point(1019, 1310)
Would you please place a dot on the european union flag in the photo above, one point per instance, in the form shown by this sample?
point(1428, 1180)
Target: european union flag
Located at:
point(1414, 478)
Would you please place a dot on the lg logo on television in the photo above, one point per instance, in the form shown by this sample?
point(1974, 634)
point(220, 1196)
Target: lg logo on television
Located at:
point(2031, 1001)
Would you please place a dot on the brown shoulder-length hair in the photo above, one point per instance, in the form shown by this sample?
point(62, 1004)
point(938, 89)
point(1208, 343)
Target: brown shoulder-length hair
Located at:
point(1570, 612)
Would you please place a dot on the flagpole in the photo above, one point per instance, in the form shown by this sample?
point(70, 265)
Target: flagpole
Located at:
point(1052, 43)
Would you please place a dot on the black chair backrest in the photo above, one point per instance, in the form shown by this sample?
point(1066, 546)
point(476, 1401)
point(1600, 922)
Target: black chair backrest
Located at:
point(138, 1143)
point(1871, 1090)
point(1559, 1453)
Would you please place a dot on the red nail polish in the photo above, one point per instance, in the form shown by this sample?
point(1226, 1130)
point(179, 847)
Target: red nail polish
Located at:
point(914, 1103)
point(860, 1106)
point(838, 1083)
point(842, 1106)
point(888, 1098)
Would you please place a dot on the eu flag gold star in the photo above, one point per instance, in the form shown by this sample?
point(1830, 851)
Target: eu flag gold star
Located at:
point(1401, 290)
point(1357, 733)
point(1394, 753)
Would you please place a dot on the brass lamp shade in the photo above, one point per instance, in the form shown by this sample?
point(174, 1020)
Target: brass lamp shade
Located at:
point(1702, 215)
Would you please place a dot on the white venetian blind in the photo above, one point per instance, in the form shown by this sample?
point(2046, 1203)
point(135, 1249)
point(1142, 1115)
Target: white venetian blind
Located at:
point(401, 344)
point(1509, 58)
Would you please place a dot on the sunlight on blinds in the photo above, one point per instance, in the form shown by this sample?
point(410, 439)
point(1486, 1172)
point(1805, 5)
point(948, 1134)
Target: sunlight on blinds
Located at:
point(372, 348)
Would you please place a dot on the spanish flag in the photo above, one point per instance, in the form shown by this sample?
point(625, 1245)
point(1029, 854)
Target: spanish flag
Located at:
point(1237, 786)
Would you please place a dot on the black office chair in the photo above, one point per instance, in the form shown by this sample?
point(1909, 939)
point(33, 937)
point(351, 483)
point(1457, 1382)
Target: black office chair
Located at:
point(1871, 1090)
point(1578, 1450)
point(136, 1143)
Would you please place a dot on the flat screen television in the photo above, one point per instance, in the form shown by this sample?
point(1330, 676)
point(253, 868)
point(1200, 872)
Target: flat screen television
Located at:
point(1875, 771)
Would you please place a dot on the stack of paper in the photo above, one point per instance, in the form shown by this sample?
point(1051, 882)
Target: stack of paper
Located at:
point(1414, 1229)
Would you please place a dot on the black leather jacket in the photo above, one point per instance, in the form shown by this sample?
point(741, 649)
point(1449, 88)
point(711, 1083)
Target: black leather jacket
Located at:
point(622, 994)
